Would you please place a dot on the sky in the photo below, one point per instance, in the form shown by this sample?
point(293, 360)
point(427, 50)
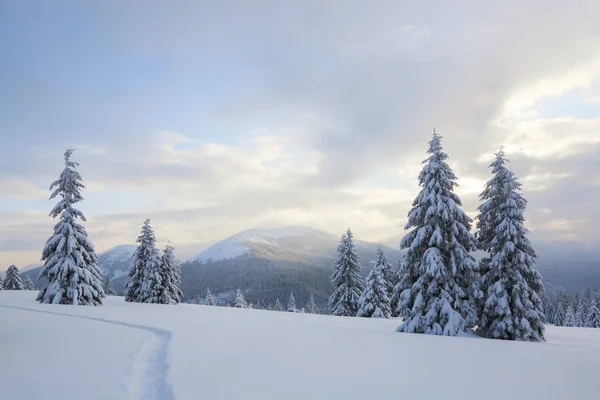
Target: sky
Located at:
point(212, 117)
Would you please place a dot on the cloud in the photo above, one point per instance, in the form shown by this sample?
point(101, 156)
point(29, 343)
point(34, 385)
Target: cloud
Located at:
point(313, 114)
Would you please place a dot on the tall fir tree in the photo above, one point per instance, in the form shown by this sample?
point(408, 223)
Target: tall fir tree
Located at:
point(311, 306)
point(240, 301)
point(1, 283)
point(12, 280)
point(291, 307)
point(374, 301)
point(440, 284)
point(512, 286)
point(210, 301)
point(145, 259)
point(592, 319)
point(346, 279)
point(107, 285)
point(70, 261)
point(171, 272)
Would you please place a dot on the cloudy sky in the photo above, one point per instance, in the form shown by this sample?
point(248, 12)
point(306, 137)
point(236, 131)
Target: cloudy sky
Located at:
point(216, 116)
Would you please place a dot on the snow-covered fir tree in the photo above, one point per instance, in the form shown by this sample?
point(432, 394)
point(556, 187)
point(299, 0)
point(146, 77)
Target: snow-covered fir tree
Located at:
point(559, 314)
point(311, 306)
point(346, 279)
point(512, 286)
point(1, 283)
point(278, 305)
point(291, 307)
point(440, 284)
point(402, 282)
point(210, 301)
point(12, 279)
point(107, 285)
point(389, 275)
point(70, 261)
point(374, 301)
point(240, 301)
point(569, 317)
point(592, 319)
point(171, 272)
point(28, 284)
point(145, 261)
point(581, 311)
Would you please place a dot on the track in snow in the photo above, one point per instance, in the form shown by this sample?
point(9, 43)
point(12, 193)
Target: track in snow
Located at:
point(148, 377)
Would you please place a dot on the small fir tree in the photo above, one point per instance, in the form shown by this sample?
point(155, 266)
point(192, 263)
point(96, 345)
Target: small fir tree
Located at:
point(375, 302)
point(171, 271)
point(210, 301)
point(592, 319)
point(145, 260)
point(569, 317)
point(239, 301)
point(278, 306)
point(12, 280)
point(346, 279)
point(311, 306)
point(107, 285)
point(70, 261)
point(292, 303)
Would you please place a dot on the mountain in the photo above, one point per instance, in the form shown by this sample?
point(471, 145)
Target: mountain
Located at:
point(269, 263)
point(114, 261)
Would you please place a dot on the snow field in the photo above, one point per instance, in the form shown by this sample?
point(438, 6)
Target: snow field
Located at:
point(146, 351)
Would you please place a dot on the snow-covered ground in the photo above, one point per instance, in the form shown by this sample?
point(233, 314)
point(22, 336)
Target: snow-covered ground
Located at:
point(140, 351)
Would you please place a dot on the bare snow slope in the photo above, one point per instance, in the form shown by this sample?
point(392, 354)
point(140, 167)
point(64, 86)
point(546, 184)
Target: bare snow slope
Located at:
point(144, 351)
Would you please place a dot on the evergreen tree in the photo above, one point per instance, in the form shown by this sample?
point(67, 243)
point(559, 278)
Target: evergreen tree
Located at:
point(70, 261)
point(311, 306)
point(581, 311)
point(12, 280)
point(171, 271)
point(559, 313)
point(1, 283)
point(209, 298)
point(403, 283)
point(292, 303)
point(145, 260)
point(278, 306)
point(387, 270)
point(374, 301)
point(107, 285)
point(346, 279)
point(239, 301)
point(512, 307)
point(440, 284)
point(569, 317)
point(29, 285)
point(592, 319)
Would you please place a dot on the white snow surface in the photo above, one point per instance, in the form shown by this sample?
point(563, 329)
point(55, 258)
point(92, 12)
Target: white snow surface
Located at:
point(147, 351)
point(243, 242)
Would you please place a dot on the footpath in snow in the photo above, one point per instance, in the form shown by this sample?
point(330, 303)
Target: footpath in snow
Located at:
point(144, 351)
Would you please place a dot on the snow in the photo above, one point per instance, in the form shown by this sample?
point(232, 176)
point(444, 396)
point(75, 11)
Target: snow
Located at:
point(120, 253)
point(148, 351)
